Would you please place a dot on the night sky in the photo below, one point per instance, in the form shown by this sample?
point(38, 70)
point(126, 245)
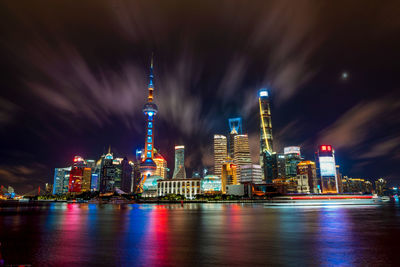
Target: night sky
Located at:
point(74, 78)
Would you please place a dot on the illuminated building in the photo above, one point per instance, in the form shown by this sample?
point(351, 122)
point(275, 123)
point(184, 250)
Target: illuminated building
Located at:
point(251, 174)
point(380, 187)
point(266, 146)
point(108, 173)
point(293, 157)
point(302, 183)
point(136, 176)
point(148, 166)
point(241, 152)
point(275, 166)
point(61, 180)
point(327, 169)
point(228, 175)
point(161, 166)
point(94, 183)
point(220, 153)
point(211, 184)
point(76, 175)
point(118, 172)
point(150, 186)
point(309, 169)
point(179, 171)
point(126, 176)
point(235, 126)
point(86, 179)
point(96, 174)
point(189, 188)
point(339, 179)
point(356, 185)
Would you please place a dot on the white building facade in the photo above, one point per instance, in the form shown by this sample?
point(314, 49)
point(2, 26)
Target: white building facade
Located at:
point(188, 188)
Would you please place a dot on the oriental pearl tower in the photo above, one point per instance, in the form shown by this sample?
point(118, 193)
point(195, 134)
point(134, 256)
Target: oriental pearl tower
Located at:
point(147, 165)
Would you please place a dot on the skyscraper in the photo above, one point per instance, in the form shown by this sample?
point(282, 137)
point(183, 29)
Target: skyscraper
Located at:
point(86, 179)
point(220, 153)
point(161, 166)
point(179, 171)
point(235, 126)
point(309, 169)
point(126, 176)
point(107, 177)
point(76, 175)
point(293, 157)
point(241, 152)
point(228, 175)
point(148, 166)
point(266, 146)
point(327, 169)
point(61, 180)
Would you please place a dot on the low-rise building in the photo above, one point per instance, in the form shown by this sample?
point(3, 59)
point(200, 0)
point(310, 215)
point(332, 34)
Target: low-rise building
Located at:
point(302, 183)
point(185, 187)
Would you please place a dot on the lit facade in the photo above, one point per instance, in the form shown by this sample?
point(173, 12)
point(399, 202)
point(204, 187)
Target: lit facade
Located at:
point(189, 188)
point(211, 184)
point(220, 153)
point(356, 185)
point(327, 169)
point(150, 186)
point(293, 157)
point(302, 184)
point(86, 179)
point(61, 180)
point(108, 173)
point(241, 152)
point(251, 174)
point(179, 171)
point(228, 175)
point(309, 169)
point(266, 140)
point(148, 166)
point(76, 175)
point(161, 166)
point(275, 166)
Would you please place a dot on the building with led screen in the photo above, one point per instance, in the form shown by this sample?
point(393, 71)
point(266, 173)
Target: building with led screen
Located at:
point(211, 184)
point(327, 169)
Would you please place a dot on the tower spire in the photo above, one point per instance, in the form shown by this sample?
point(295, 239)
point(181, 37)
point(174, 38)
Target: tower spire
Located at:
point(151, 86)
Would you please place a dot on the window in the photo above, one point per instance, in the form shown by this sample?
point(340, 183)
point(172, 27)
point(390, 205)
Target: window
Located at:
point(150, 124)
point(149, 154)
point(149, 139)
point(149, 132)
point(149, 147)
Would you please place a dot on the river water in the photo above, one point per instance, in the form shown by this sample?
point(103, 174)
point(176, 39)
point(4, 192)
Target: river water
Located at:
point(61, 234)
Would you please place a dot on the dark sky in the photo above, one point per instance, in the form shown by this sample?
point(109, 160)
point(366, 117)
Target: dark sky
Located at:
point(74, 78)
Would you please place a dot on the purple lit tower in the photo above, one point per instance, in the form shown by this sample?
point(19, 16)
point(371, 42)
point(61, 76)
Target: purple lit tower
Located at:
point(147, 165)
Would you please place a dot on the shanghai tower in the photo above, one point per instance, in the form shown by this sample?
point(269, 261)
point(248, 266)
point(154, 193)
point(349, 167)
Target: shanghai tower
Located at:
point(266, 148)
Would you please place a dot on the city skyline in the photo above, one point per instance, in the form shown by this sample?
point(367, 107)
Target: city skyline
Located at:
point(70, 97)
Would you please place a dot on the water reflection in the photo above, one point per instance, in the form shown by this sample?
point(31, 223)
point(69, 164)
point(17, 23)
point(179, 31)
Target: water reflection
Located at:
point(198, 234)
